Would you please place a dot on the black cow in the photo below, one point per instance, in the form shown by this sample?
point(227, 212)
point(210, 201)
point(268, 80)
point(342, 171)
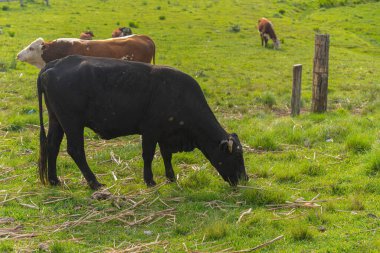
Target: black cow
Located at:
point(117, 98)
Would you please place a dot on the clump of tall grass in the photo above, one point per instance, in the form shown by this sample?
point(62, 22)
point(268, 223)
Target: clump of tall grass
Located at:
point(57, 247)
point(18, 122)
point(3, 67)
point(133, 24)
point(356, 203)
point(216, 230)
point(313, 169)
point(336, 132)
point(338, 189)
point(261, 197)
point(196, 180)
point(13, 63)
point(301, 233)
point(371, 107)
point(6, 247)
point(285, 177)
point(268, 99)
point(373, 165)
point(263, 173)
point(317, 117)
point(182, 229)
point(358, 143)
point(372, 187)
point(235, 28)
point(266, 142)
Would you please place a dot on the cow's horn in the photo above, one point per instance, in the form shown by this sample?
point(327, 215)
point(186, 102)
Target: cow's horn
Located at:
point(230, 143)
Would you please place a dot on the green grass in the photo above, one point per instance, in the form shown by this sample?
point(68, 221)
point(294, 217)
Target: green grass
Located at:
point(358, 143)
point(332, 156)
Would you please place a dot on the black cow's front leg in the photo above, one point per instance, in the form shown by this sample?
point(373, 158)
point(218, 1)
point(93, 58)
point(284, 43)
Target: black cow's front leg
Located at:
point(148, 149)
point(75, 148)
point(167, 157)
point(54, 139)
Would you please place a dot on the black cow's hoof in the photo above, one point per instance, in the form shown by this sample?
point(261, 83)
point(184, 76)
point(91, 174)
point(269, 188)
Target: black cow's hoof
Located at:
point(95, 185)
point(54, 182)
point(150, 183)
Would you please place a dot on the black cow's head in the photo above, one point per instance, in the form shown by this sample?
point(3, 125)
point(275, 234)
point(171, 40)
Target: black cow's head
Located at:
point(229, 160)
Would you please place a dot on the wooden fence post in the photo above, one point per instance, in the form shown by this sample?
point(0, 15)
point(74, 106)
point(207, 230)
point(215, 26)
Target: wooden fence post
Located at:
point(296, 90)
point(320, 73)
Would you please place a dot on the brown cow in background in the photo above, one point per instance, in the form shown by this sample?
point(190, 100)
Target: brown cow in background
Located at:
point(266, 30)
point(86, 35)
point(121, 32)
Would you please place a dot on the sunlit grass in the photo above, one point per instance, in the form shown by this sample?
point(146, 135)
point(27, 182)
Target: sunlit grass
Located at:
point(331, 157)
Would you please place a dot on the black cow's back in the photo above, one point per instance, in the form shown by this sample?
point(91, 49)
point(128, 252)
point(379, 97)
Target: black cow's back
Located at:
point(115, 97)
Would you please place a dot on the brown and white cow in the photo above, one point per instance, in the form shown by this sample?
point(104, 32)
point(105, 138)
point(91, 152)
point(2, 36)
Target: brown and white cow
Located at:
point(86, 35)
point(134, 48)
point(266, 30)
point(121, 32)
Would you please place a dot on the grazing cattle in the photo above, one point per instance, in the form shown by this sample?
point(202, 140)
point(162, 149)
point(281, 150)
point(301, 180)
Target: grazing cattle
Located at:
point(121, 32)
point(134, 48)
point(86, 35)
point(117, 98)
point(266, 30)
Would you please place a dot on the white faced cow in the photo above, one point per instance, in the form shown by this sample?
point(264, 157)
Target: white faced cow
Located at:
point(134, 48)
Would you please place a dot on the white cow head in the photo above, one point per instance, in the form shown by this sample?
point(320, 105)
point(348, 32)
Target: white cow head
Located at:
point(33, 53)
point(277, 44)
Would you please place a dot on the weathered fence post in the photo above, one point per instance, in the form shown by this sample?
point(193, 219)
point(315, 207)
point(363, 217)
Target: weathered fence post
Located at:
point(320, 73)
point(296, 90)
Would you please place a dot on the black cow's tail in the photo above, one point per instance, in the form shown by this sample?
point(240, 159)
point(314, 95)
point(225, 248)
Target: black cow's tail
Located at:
point(154, 53)
point(42, 161)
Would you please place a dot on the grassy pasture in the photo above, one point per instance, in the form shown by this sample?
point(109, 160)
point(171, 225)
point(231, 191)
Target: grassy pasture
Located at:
point(332, 157)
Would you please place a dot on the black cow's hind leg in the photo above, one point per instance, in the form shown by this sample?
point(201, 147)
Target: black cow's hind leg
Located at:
point(54, 139)
point(167, 157)
point(148, 148)
point(75, 148)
